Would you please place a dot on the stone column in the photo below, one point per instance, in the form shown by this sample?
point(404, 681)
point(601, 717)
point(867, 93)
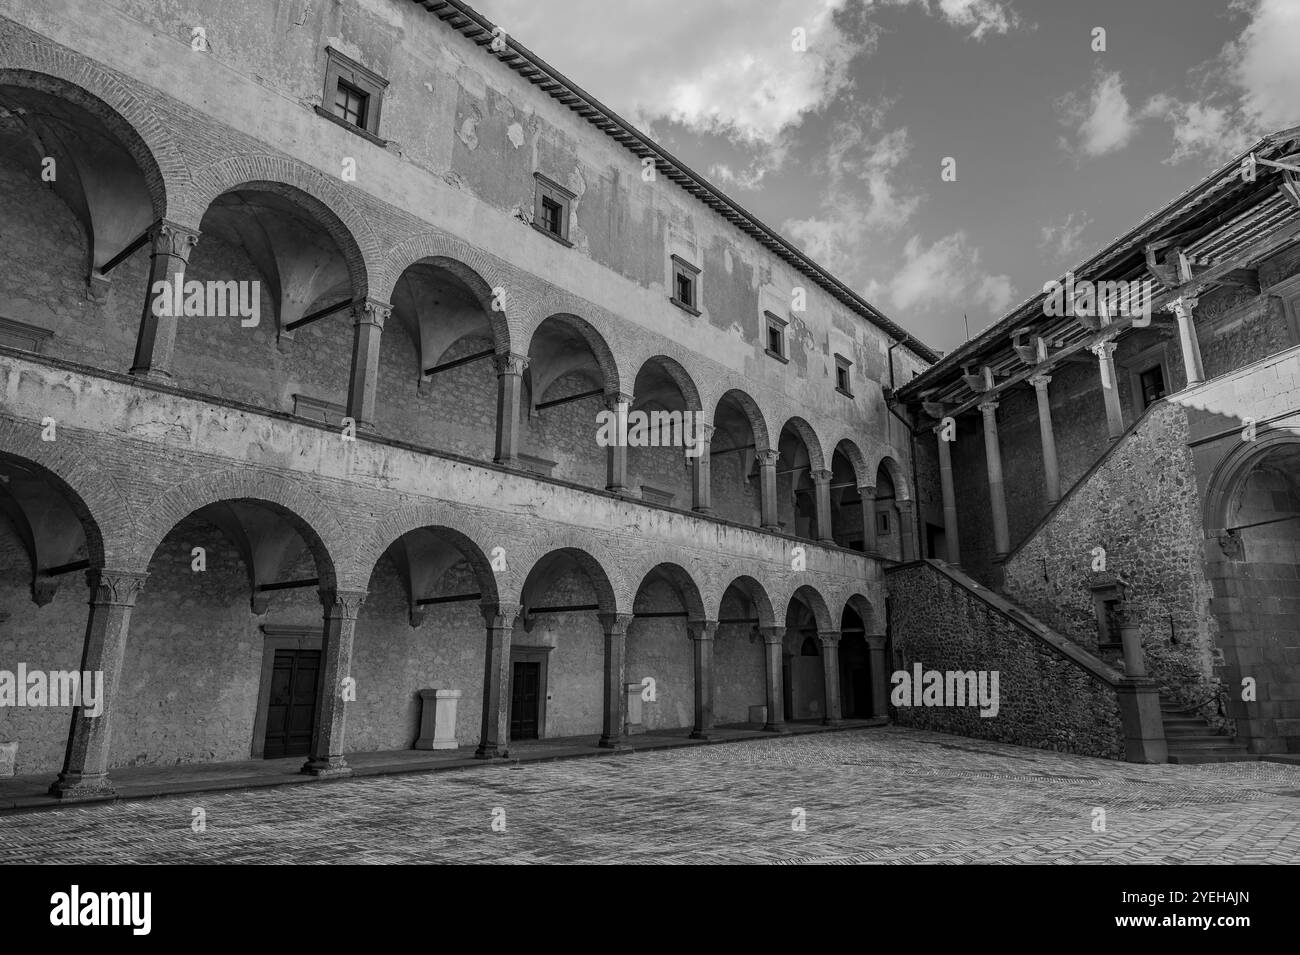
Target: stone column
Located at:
point(868, 494)
point(907, 534)
point(85, 762)
point(1051, 468)
point(617, 451)
point(879, 674)
point(774, 640)
point(1105, 352)
point(494, 737)
point(1191, 346)
point(830, 641)
point(767, 487)
point(701, 466)
point(156, 340)
point(615, 625)
point(1131, 637)
point(949, 498)
point(822, 489)
point(997, 496)
point(368, 319)
point(341, 609)
point(702, 633)
point(510, 376)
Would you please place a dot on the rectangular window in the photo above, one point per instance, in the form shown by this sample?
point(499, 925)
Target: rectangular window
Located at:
point(552, 204)
point(842, 380)
point(686, 285)
point(1152, 382)
point(882, 522)
point(775, 336)
point(353, 95)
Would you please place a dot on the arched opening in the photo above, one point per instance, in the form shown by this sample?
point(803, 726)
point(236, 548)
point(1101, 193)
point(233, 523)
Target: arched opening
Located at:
point(662, 421)
point(437, 384)
point(420, 629)
point(734, 472)
point(558, 653)
point(888, 523)
point(846, 499)
point(47, 541)
point(796, 493)
point(805, 677)
point(225, 658)
point(569, 373)
point(856, 700)
point(78, 193)
point(1254, 519)
point(287, 256)
point(659, 650)
point(739, 654)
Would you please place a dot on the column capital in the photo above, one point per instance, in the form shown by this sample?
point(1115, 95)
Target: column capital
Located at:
point(704, 431)
point(829, 638)
point(615, 623)
point(499, 615)
point(820, 475)
point(867, 490)
point(988, 409)
point(702, 629)
point(508, 363)
point(1040, 382)
point(1103, 350)
point(342, 604)
point(772, 635)
point(615, 398)
point(172, 238)
point(767, 458)
point(114, 587)
point(1183, 306)
point(875, 641)
point(904, 505)
point(370, 311)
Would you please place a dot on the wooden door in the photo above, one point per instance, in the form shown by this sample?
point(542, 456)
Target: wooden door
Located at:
point(525, 697)
point(291, 706)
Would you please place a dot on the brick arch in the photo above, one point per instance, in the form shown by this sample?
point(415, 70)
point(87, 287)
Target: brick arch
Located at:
point(680, 376)
point(1233, 468)
point(888, 460)
point(752, 588)
point(93, 494)
point(127, 116)
point(329, 543)
point(816, 456)
point(757, 420)
point(480, 272)
point(612, 591)
point(683, 582)
point(317, 194)
point(857, 460)
point(813, 599)
point(591, 319)
point(461, 530)
point(608, 364)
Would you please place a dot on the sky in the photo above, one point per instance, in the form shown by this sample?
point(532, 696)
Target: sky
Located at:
point(1065, 122)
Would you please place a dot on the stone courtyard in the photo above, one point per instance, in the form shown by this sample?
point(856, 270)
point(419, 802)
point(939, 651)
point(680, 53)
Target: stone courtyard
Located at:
point(878, 795)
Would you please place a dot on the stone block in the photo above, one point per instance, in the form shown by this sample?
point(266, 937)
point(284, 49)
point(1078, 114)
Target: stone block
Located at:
point(758, 714)
point(438, 719)
point(8, 758)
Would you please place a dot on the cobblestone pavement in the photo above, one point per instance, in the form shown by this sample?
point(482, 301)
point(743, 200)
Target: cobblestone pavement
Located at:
point(877, 795)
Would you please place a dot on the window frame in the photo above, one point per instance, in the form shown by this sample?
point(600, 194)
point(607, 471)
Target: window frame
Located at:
point(684, 269)
point(842, 364)
point(342, 69)
point(546, 188)
point(775, 323)
point(1143, 361)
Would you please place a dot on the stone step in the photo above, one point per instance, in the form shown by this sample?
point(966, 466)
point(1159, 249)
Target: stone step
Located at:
point(1205, 739)
point(1187, 759)
point(1193, 729)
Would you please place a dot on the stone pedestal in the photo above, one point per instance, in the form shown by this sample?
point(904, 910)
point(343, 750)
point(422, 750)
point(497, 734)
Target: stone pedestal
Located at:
point(1144, 729)
point(438, 719)
point(634, 724)
point(758, 715)
point(8, 758)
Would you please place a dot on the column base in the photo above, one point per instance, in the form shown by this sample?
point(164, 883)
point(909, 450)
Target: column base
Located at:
point(831, 722)
point(774, 727)
point(611, 742)
point(74, 787)
point(491, 752)
point(701, 734)
point(511, 462)
point(329, 767)
point(771, 527)
point(152, 374)
point(702, 510)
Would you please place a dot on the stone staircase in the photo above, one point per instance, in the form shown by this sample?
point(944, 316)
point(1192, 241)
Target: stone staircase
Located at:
point(1192, 740)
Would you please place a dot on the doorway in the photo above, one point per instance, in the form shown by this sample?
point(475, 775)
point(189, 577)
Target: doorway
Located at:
point(525, 699)
point(291, 704)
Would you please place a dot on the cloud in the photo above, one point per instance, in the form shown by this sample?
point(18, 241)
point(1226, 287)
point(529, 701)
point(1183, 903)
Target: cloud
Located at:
point(1063, 241)
point(862, 196)
point(946, 273)
point(1199, 129)
point(1105, 123)
point(1263, 64)
point(981, 17)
